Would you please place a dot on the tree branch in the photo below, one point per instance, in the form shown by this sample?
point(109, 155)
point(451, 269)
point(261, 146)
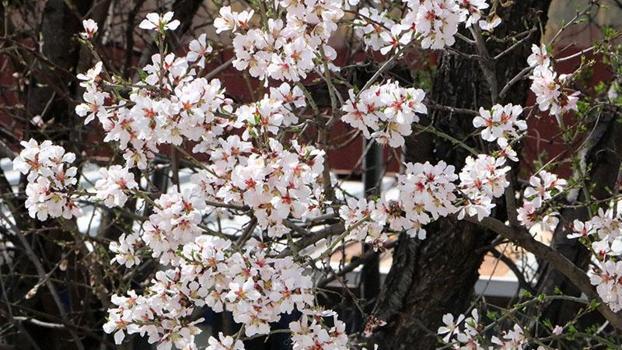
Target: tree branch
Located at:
point(577, 276)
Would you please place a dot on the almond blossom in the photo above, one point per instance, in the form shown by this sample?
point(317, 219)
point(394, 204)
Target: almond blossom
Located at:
point(371, 25)
point(155, 21)
point(469, 333)
point(481, 180)
point(581, 229)
point(603, 236)
point(308, 333)
point(232, 21)
point(550, 89)
point(190, 108)
point(385, 112)
point(90, 28)
point(427, 192)
point(500, 122)
point(50, 180)
point(255, 288)
point(290, 47)
point(198, 49)
point(542, 187)
point(434, 23)
point(512, 339)
point(451, 326)
point(489, 24)
point(606, 277)
point(114, 185)
point(126, 250)
point(224, 343)
point(357, 217)
point(539, 57)
point(473, 10)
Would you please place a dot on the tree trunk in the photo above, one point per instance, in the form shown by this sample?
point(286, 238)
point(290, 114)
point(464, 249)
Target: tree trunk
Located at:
point(435, 276)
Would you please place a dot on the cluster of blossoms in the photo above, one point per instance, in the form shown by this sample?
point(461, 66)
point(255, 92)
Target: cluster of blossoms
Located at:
point(501, 124)
point(603, 234)
point(270, 114)
point(114, 185)
point(542, 187)
point(360, 216)
point(607, 278)
point(253, 173)
point(468, 333)
point(425, 193)
point(550, 89)
point(169, 105)
point(385, 112)
point(174, 223)
point(275, 183)
point(434, 22)
point(51, 180)
point(209, 271)
point(310, 332)
point(288, 49)
point(481, 180)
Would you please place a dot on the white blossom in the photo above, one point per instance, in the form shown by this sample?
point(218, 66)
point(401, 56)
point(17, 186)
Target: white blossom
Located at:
point(155, 21)
point(90, 28)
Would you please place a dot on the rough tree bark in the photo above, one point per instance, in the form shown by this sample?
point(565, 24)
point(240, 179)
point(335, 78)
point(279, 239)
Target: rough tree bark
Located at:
point(431, 277)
